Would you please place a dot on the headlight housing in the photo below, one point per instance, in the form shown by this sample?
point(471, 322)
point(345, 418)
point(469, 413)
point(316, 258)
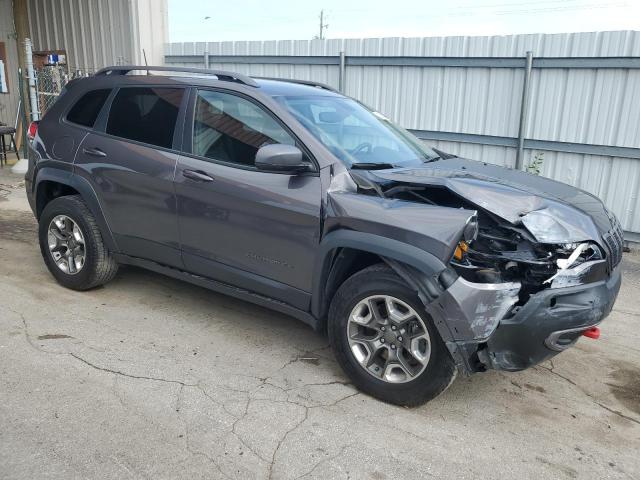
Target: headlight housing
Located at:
point(560, 224)
point(545, 228)
point(550, 227)
point(470, 232)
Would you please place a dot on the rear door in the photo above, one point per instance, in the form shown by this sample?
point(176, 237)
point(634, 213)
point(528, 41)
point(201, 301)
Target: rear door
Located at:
point(239, 225)
point(130, 162)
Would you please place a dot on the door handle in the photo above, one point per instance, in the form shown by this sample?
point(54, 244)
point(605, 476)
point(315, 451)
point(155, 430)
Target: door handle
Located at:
point(95, 152)
point(197, 175)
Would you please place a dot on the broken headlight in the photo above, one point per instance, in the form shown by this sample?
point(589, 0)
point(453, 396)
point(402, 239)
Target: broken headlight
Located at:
point(581, 266)
point(581, 253)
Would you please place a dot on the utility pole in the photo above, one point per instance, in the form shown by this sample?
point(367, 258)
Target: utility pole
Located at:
point(21, 25)
point(323, 26)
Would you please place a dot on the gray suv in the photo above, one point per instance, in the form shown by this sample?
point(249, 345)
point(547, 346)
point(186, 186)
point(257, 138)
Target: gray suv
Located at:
point(417, 263)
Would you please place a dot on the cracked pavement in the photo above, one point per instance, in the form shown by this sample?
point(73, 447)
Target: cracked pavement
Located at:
point(149, 377)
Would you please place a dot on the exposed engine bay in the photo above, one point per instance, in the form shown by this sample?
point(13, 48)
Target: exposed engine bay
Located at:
point(496, 249)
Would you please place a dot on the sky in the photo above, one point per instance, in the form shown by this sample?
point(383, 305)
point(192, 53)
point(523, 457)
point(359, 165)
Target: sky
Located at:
point(299, 19)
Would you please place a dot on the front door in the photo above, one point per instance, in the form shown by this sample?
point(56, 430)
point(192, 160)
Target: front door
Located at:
point(131, 167)
point(238, 225)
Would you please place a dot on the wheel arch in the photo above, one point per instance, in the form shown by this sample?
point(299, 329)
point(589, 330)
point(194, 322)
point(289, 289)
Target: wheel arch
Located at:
point(47, 190)
point(422, 271)
point(344, 252)
point(52, 183)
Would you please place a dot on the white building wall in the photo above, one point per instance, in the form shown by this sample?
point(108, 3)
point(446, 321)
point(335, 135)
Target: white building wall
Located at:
point(151, 29)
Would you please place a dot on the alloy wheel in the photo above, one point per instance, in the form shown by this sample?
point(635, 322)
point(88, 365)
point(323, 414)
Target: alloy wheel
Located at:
point(388, 338)
point(66, 244)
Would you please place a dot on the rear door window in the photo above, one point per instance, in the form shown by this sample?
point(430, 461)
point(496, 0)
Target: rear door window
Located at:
point(86, 110)
point(146, 115)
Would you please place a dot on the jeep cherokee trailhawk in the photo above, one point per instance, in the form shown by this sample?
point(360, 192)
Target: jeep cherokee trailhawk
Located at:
point(285, 193)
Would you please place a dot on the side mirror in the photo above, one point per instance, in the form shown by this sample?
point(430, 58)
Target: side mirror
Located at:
point(280, 158)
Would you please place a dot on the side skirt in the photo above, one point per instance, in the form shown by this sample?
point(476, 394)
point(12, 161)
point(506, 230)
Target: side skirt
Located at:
point(220, 287)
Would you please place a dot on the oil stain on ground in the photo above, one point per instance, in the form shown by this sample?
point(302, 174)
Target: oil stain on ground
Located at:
point(627, 387)
point(18, 226)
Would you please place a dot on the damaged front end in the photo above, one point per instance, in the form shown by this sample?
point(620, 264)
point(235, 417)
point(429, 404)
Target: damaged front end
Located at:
point(524, 300)
point(529, 275)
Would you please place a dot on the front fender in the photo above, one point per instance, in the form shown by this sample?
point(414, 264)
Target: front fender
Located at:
point(415, 239)
point(431, 228)
point(411, 233)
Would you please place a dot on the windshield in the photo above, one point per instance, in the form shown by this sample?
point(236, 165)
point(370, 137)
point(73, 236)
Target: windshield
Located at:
point(356, 135)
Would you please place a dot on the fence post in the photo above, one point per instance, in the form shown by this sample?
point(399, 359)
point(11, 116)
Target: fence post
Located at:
point(33, 99)
point(22, 111)
point(524, 111)
point(341, 74)
point(206, 60)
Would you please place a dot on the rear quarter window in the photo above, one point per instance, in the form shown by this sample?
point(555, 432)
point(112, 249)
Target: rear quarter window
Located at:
point(86, 109)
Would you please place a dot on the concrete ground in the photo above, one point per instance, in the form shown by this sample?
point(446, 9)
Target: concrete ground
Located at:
point(149, 377)
point(12, 158)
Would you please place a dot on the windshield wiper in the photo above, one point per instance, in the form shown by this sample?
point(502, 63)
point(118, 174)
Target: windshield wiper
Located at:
point(370, 166)
point(440, 155)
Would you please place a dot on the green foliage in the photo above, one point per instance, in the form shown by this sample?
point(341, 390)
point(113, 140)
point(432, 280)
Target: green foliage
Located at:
point(535, 166)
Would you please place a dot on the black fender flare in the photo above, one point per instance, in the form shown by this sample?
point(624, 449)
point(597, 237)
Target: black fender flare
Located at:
point(423, 272)
point(86, 191)
point(385, 247)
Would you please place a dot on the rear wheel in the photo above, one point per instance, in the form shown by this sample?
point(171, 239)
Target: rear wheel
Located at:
point(385, 341)
point(72, 246)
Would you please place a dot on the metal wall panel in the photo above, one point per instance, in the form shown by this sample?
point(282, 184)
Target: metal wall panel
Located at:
point(9, 101)
point(92, 32)
point(597, 106)
point(98, 33)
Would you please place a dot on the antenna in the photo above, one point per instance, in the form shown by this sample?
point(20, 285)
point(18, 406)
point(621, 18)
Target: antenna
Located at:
point(144, 54)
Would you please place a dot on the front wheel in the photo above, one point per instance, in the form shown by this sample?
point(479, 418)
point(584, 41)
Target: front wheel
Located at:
point(385, 341)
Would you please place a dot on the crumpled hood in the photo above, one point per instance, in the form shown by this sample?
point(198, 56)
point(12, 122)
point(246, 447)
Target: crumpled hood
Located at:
point(510, 194)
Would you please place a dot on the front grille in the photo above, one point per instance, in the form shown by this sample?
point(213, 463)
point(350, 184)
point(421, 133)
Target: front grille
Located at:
point(614, 240)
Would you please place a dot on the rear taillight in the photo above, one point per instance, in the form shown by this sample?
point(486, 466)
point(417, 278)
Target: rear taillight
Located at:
point(33, 130)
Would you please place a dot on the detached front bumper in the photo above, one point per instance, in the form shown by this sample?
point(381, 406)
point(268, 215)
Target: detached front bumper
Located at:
point(551, 321)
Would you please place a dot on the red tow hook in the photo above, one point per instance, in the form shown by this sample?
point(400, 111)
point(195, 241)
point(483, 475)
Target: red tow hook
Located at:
point(593, 332)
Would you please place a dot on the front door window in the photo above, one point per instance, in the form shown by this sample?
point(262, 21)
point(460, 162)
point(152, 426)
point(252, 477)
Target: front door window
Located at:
point(231, 129)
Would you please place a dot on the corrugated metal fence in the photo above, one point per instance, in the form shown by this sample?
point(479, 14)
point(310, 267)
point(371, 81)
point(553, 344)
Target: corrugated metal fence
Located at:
point(464, 95)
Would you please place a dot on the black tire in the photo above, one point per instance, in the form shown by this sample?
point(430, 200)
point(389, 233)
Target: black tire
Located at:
point(99, 265)
point(440, 370)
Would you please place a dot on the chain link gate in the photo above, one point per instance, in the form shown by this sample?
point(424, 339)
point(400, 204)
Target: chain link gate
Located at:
point(50, 80)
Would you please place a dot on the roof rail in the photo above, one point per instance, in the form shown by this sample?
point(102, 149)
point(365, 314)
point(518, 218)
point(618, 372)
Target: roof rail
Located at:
point(221, 74)
point(310, 83)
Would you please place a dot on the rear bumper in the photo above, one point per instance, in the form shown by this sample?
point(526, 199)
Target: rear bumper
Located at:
point(28, 181)
point(551, 321)
point(30, 196)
